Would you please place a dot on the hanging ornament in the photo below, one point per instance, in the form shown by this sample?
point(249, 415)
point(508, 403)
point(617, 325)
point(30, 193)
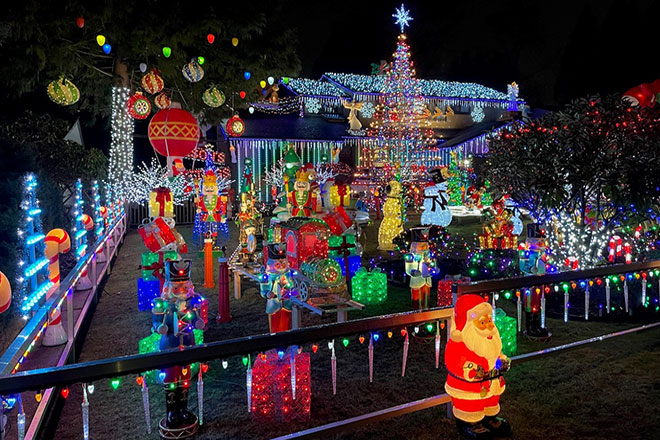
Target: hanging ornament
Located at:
point(100, 40)
point(63, 92)
point(405, 354)
point(143, 67)
point(234, 41)
point(247, 75)
point(167, 51)
point(200, 60)
point(213, 97)
point(138, 106)
point(162, 101)
point(251, 110)
point(152, 82)
point(80, 22)
point(192, 71)
point(210, 38)
point(235, 126)
point(371, 358)
point(107, 48)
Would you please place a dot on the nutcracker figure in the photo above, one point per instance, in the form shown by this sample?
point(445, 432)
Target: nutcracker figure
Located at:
point(248, 222)
point(212, 210)
point(302, 199)
point(419, 267)
point(278, 287)
point(175, 315)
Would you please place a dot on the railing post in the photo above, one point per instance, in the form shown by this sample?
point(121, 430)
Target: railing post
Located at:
point(69, 321)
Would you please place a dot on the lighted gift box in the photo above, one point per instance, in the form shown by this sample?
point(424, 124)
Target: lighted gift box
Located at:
point(272, 395)
point(337, 244)
point(151, 258)
point(340, 195)
point(507, 326)
point(151, 344)
point(489, 241)
point(161, 203)
point(369, 287)
point(445, 295)
point(147, 290)
point(354, 264)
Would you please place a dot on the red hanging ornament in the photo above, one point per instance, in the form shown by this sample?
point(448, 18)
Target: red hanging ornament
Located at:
point(235, 126)
point(139, 106)
point(152, 83)
point(173, 132)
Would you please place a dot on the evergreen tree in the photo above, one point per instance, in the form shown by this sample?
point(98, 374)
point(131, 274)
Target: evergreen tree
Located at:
point(456, 181)
point(396, 121)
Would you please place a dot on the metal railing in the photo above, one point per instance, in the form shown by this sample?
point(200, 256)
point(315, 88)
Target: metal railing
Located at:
point(27, 339)
point(183, 214)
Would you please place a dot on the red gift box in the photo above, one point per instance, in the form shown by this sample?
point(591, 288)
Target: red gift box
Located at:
point(272, 395)
point(156, 235)
point(445, 295)
point(338, 221)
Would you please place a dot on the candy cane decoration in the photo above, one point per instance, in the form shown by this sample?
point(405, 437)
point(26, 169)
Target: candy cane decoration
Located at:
point(607, 294)
point(627, 251)
point(56, 242)
point(615, 248)
point(5, 293)
point(100, 253)
point(625, 294)
point(84, 282)
point(644, 289)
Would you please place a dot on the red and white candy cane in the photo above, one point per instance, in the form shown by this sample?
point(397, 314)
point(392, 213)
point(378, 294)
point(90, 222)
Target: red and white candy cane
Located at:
point(57, 242)
point(100, 253)
point(627, 252)
point(572, 263)
point(615, 248)
point(84, 282)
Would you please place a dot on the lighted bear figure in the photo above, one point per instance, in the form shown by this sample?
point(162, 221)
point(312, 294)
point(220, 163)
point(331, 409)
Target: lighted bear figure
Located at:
point(392, 224)
point(436, 211)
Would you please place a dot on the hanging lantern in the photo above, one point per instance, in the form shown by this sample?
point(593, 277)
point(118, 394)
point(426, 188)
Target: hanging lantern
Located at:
point(162, 101)
point(235, 126)
point(192, 71)
point(174, 133)
point(152, 83)
point(63, 92)
point(213, 97)
point(139, 106)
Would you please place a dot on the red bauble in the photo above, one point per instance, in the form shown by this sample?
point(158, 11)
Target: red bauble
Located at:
point(173, 132)
point(139, 106)
point(152, 82)
point(235, 126)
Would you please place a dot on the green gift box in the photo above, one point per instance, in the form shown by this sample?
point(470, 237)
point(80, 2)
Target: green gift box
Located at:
point(369, 287)
point(507, 326)
point(149, 258)
point(337, 241)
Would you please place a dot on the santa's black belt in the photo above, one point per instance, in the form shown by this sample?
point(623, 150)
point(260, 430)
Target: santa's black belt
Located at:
point(494, 376)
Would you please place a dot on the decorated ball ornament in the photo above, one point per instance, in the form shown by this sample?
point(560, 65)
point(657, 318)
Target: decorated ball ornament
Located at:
point(5, 293)
point(213, 97)
point(139, 106)
point(152, 82)
point(162, 101)
point(192, 71)
point(235, 126)
point(63, 92)
point(173, 132)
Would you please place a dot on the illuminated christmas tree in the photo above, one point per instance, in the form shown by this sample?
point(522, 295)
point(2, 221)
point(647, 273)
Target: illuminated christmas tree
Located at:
point(398, 119)
point(456, 181)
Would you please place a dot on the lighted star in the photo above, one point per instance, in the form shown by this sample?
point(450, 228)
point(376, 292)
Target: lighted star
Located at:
point(402, 17)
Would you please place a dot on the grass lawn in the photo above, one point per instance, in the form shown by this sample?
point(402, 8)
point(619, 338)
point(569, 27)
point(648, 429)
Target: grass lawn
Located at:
point(609, 390)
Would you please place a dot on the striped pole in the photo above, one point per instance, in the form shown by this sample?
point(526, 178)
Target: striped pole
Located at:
point(56, 242)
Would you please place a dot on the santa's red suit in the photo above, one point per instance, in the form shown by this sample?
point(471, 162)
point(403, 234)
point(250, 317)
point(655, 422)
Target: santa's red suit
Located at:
point(474, 394)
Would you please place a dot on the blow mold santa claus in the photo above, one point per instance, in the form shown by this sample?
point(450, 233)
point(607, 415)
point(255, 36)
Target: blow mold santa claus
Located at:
point(475, 365)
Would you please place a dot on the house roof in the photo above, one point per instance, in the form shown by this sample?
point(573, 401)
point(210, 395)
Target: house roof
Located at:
point(288, 127)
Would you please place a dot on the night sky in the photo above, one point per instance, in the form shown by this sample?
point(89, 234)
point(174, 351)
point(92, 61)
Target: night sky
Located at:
point(556, 50)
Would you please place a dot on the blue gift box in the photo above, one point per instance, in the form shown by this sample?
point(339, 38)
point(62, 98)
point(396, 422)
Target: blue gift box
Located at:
point(354, 263)
point(147, 290)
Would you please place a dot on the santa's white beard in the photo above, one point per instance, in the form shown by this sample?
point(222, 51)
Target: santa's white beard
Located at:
point(477, 341)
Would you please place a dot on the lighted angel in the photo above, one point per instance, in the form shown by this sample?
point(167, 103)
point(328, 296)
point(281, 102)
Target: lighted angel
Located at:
point(354, 107)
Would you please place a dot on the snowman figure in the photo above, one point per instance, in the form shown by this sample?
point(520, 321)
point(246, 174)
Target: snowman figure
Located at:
point(516, 221)
point(436, 212)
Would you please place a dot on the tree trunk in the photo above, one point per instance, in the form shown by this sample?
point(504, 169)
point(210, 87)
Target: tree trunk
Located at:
point(121, 70)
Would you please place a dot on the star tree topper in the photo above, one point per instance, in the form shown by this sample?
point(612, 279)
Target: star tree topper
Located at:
point(402, 17)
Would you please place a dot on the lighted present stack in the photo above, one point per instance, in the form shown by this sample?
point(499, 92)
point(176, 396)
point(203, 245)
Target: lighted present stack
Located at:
point(342, 244)
point(369, 287)
point(498, 228)
point(164, 244)
point(277, 394)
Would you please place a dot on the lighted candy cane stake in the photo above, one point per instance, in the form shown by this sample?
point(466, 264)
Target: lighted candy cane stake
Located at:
point(586, 300)
point(145, 401)
point(57, 242)
point(542, 306)
point(292, 366)
point(437, 343)
point(85, 413)
point(565, 302)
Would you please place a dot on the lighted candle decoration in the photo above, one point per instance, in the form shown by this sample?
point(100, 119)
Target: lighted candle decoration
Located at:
point(369, 287)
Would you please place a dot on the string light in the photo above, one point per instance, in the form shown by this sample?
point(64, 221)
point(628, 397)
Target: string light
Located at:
point(121, 144)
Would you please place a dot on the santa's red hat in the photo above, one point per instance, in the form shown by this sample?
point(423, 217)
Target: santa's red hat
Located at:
point(468, 307)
